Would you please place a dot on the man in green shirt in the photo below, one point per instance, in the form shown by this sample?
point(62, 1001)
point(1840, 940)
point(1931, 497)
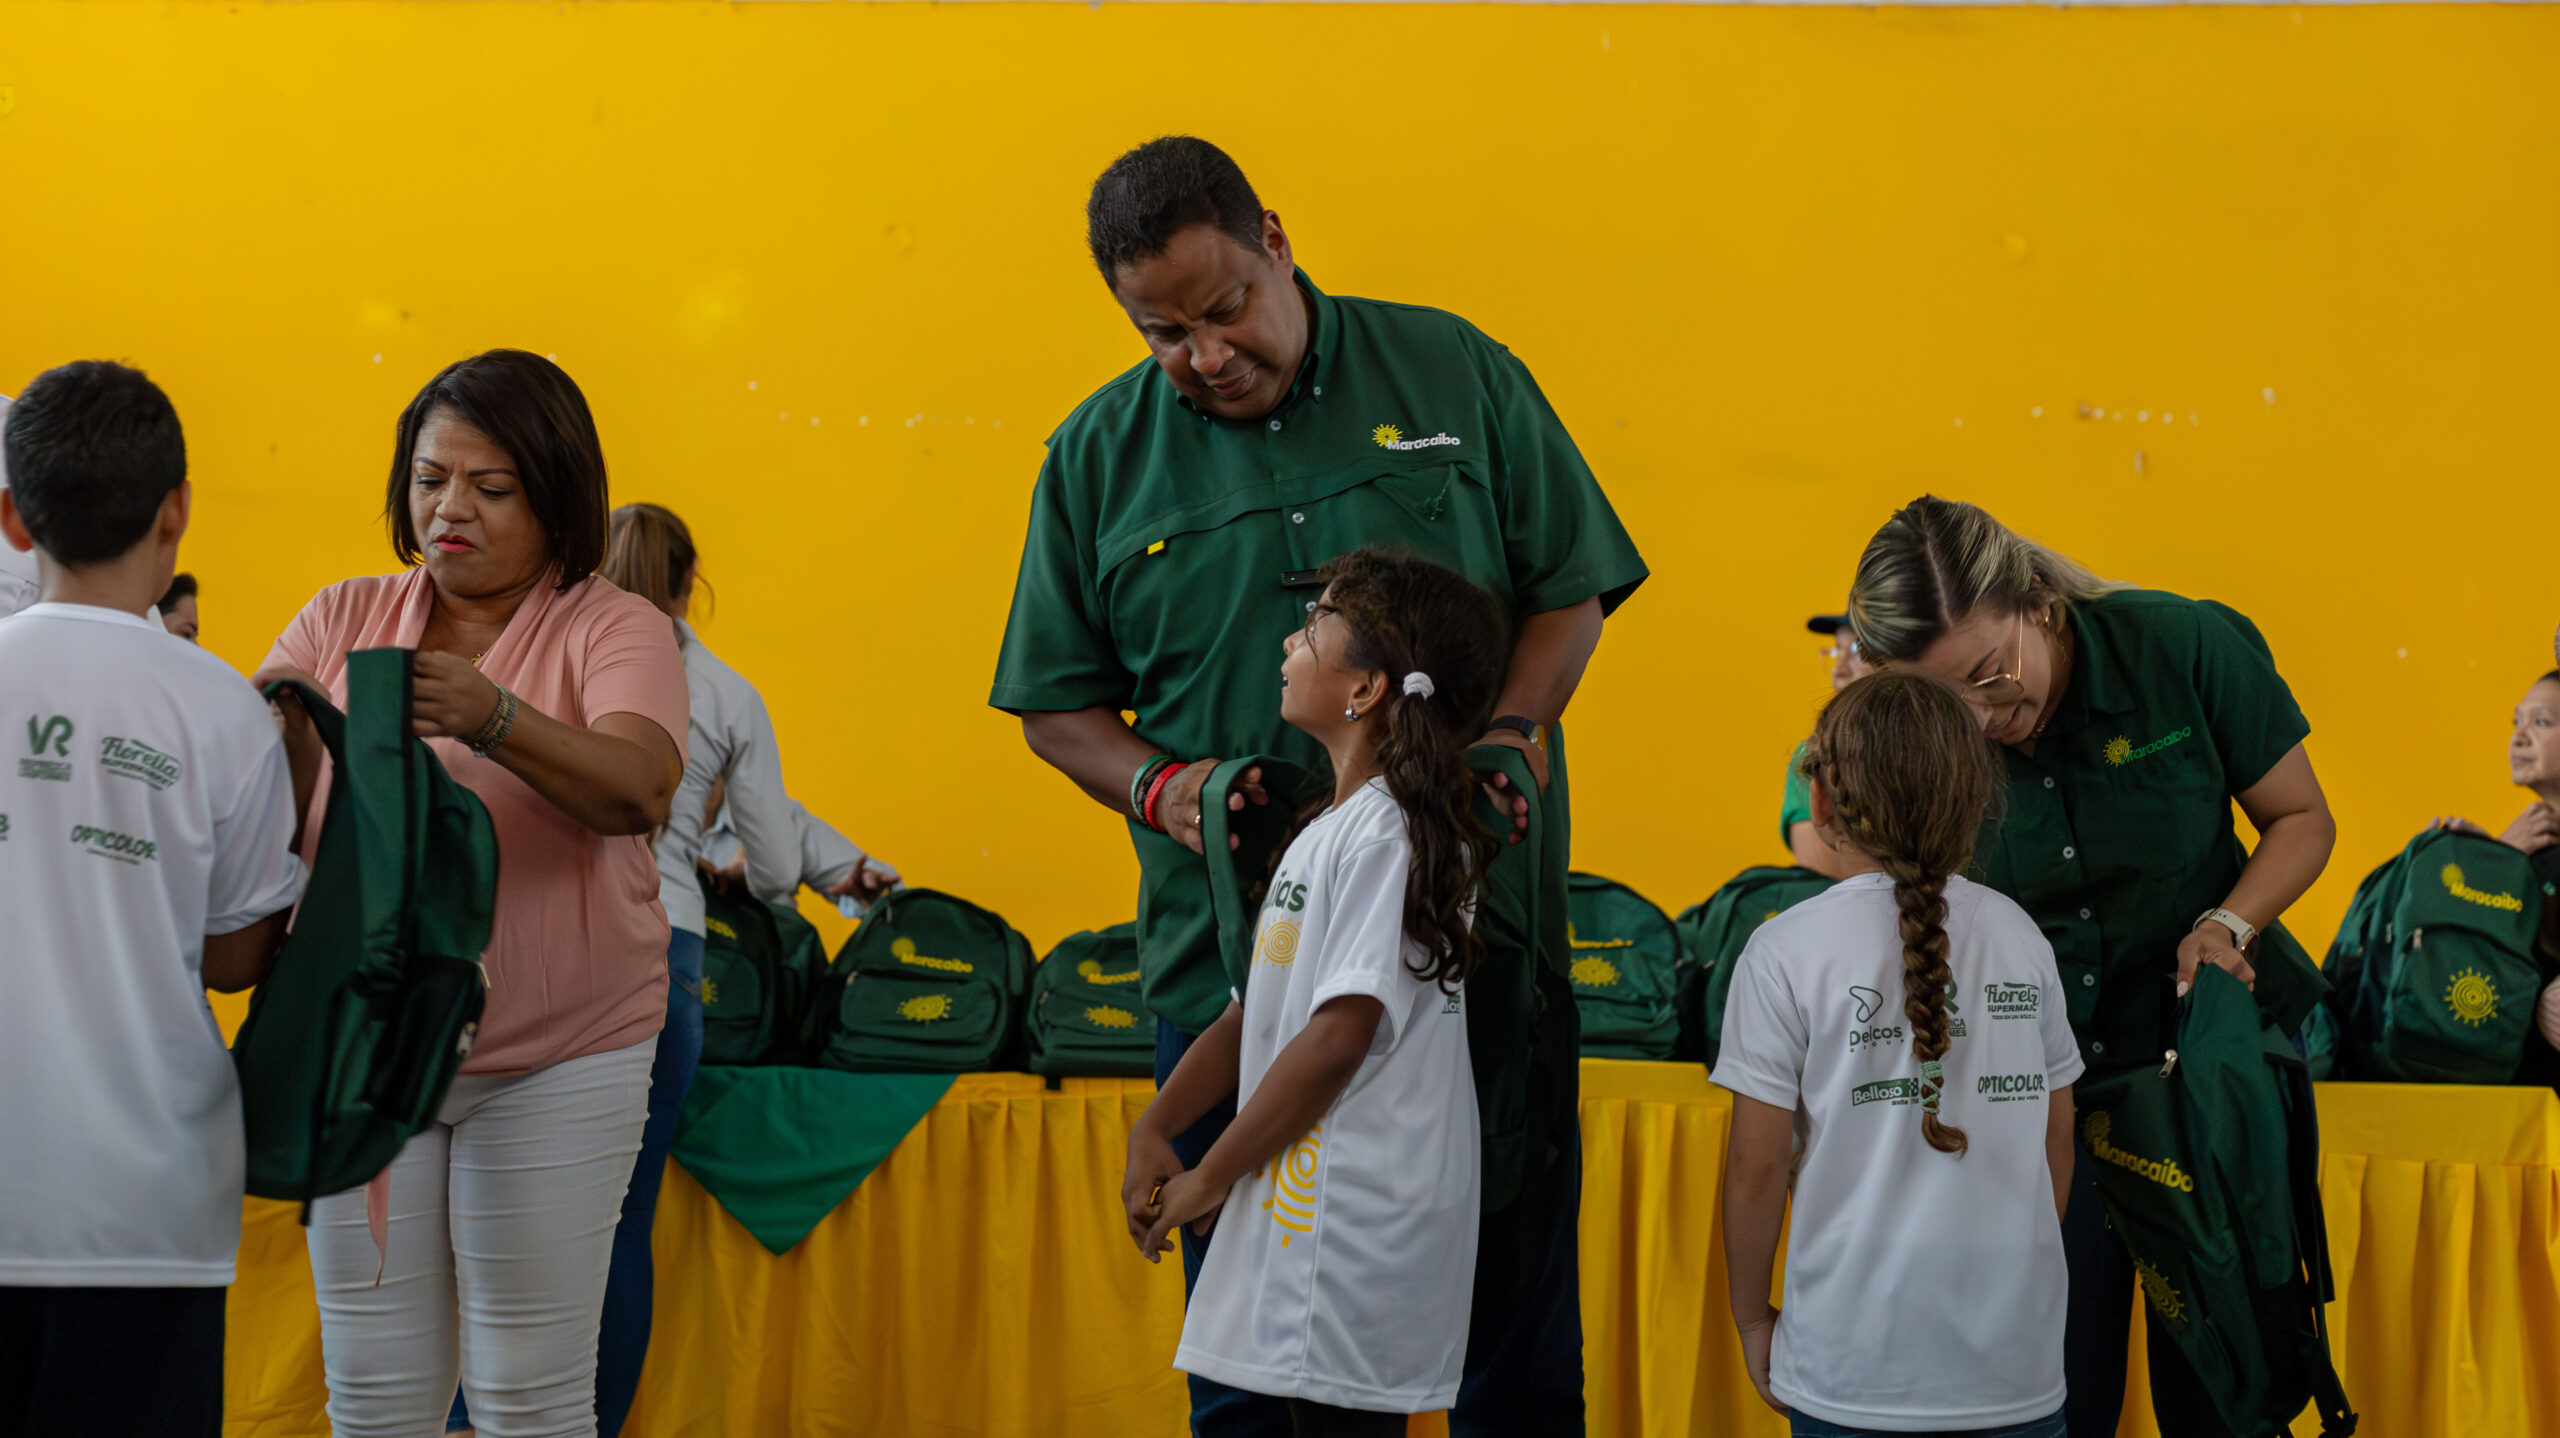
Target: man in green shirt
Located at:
point(1177, 537)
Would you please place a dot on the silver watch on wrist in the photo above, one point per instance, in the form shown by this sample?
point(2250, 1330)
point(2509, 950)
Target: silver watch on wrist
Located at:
point(2242, 931)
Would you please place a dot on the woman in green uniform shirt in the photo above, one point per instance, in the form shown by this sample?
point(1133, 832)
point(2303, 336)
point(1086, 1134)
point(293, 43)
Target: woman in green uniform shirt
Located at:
point(2129, 721)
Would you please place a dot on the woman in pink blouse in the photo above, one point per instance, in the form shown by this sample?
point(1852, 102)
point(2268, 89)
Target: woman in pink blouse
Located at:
point(560, 701)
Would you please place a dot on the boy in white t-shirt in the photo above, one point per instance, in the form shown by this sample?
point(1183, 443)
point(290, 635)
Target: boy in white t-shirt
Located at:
point(1345, 1192)
point(146, 854)
point(1900, 1045)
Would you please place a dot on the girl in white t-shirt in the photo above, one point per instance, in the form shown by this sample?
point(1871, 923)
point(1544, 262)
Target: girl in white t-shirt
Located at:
point(1928, 1137)
point(1345, 1191)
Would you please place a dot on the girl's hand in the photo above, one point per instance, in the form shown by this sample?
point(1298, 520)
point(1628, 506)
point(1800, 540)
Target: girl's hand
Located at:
point(1151, 1166)
point(1757, 1332)
point(449, 698)
point(1187, 1196)
point(2210, 943)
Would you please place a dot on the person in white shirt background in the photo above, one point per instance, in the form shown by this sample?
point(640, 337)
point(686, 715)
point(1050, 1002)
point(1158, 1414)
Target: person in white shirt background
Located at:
point(1899, 1046)
point(1345, 1192)
point(730, 747)
point(17, 566)
point(146, 855)
point(179, 611)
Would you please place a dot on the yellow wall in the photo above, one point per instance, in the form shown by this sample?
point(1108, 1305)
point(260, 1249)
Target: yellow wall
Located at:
point(1778, 268)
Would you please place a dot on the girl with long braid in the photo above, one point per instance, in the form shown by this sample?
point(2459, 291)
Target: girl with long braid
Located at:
point(1345, 1192)
point(1898, 1048)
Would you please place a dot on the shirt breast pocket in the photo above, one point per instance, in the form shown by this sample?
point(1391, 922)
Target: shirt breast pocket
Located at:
point(1444, 513)
point(2164, 813)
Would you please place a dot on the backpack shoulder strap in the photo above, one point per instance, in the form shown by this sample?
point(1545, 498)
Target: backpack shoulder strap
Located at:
point(1257, 829)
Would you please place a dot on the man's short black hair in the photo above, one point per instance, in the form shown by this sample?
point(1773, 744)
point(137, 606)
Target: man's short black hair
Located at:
point(93, 447)
point(1160, 189)
point(530, 408)
point(181, 586)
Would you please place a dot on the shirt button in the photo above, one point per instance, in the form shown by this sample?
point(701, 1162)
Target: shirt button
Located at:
point(1275, 424)
point(2048, 783)
point(2088, 981)
point(1298, 518)
point(2070, 853)
point(2097, 1046)
point(2084, 913)
point(1319, 391)
point(1311, 608)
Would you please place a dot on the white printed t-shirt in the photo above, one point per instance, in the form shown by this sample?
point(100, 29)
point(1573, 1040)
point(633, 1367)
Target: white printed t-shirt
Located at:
point(1341, 1271)
point(1923, 1292)
point(144, 804)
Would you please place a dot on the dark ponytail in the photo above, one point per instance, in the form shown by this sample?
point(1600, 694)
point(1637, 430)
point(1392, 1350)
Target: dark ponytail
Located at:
point(1407, 616)
point(1909, 770)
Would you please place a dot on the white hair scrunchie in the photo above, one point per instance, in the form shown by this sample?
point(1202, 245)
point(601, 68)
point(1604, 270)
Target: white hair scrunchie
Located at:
point(1420, 683)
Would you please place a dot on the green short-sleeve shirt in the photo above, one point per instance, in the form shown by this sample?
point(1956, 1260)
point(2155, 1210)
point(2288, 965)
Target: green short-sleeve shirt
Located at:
point(2119, 831)
point(1797, 807)
point(1170, 552)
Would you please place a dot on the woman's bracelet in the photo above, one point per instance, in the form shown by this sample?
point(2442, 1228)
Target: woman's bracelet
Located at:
point(502, 722)
point(1139, 781)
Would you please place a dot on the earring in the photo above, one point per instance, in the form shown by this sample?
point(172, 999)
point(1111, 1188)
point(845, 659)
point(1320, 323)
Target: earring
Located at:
point(1351, 714)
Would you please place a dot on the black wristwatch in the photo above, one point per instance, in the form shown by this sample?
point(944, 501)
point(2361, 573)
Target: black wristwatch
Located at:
point(1529, 729)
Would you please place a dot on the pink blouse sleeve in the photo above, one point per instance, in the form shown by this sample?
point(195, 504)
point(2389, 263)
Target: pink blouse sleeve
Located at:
point(633, 667)
point(306, 639)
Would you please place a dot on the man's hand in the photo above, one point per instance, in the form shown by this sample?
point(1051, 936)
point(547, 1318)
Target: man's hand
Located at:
point(1757, 1332)
point(449, 697)
point(1187, 1196)
point(1498, 788)
point(1178, 807)
point(2211, 943)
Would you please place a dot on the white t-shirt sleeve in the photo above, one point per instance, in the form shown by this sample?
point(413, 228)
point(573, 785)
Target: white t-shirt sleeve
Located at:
point(1764, 1032)
point(255, 871)
point(2062, 1061)
point(1363, 950)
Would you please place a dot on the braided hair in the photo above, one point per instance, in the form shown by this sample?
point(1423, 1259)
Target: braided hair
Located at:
point(1909, 771)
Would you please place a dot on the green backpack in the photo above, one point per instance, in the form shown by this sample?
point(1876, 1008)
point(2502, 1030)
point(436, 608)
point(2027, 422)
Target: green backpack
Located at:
point(760, 964)
point(1085, 1019)
point(928, 984)
point(2209, 1169)
point(1628, 969)
point(357, 1033)
point(1715, 931)
point(2433, 973)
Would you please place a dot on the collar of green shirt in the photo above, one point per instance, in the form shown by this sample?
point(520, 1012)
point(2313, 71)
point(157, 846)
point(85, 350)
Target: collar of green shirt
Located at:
point(2098, 681)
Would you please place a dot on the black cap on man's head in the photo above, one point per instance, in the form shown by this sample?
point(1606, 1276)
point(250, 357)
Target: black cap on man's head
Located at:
point(1827, 623)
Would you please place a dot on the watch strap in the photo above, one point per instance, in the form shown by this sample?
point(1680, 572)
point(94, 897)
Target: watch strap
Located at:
point(1529, 729)
point(2242, 931)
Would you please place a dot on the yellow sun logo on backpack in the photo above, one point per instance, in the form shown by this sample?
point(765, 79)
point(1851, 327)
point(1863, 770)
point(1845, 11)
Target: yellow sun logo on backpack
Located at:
point(2155, 1286)
point(1595, 972)
point(1104, 1016)
point(2472, 997)
point(925, 1008)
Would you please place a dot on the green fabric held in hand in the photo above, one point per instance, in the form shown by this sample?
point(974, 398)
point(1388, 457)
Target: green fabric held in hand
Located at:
point(780, 1148)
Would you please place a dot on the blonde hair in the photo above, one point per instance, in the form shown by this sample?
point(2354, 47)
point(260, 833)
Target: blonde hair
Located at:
point(1937, 561)
point(1910, 776)
point(649, 552)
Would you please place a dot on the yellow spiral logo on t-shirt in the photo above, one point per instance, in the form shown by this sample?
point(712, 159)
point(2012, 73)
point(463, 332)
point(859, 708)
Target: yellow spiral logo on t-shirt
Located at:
point(925, 1008)
point(1279, 943)
point(1593, 972)
point(2473, 997)
point(1106, 1017)
point(1292, 1203)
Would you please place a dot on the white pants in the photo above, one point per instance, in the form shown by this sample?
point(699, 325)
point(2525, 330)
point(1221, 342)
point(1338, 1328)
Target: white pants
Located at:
point(502, 1218)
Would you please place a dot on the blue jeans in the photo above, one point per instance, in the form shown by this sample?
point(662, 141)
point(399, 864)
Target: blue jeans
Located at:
point(623, 1344)
point(2049, 1426)
point(1523, 1371)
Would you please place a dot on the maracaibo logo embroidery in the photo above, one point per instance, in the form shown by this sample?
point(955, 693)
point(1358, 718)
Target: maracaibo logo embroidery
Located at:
point(1091, 972)
point(2453, 885)
point(53, 733)
point(2120, 750)
point(1390, 437)
point(904, 951)
point(2161, 1171)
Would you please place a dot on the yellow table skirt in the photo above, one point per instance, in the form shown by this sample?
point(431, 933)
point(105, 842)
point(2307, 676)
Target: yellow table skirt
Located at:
point(979, 1282)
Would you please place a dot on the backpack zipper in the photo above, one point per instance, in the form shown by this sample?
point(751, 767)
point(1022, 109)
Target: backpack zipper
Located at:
point(2171, 1064)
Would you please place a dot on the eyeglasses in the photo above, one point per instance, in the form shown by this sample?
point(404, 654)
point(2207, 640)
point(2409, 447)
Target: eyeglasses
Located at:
point(1844, 649)
point(2002, 689)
